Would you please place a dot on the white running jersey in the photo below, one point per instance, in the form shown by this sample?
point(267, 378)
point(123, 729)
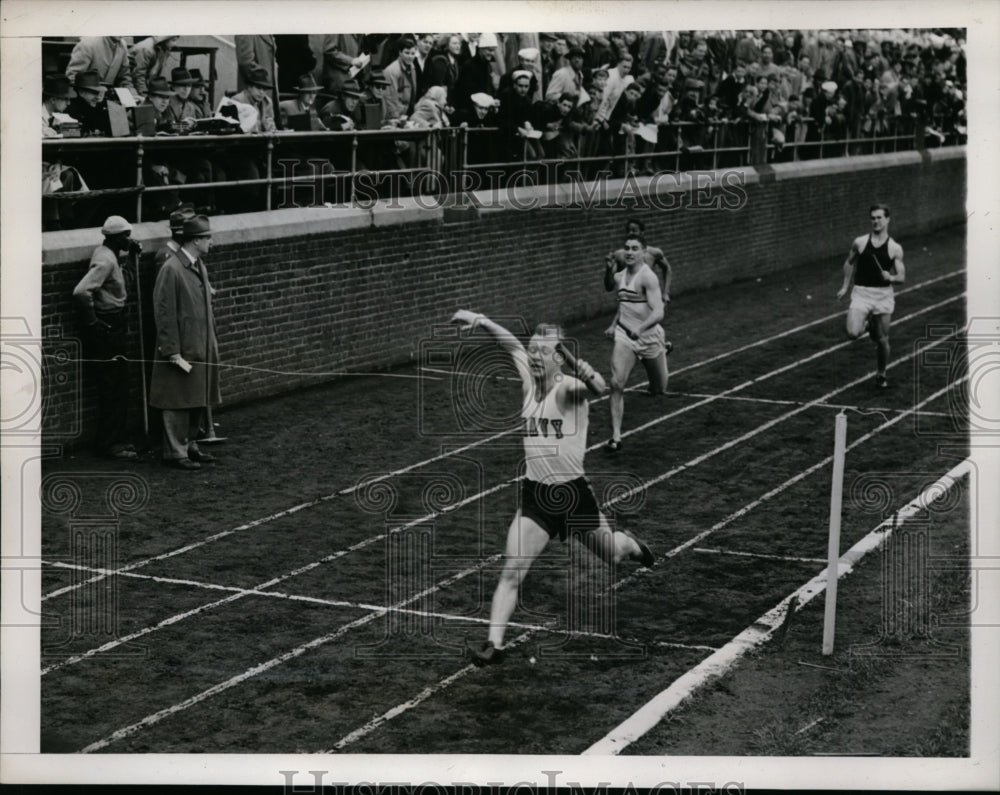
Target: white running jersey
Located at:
point(633, 307)
point(554, 442)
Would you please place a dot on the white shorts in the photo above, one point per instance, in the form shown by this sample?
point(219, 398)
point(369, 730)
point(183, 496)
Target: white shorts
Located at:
point(873, 300)
point(650, 344)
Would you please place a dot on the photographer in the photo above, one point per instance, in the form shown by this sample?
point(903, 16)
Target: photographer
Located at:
point(100, 297)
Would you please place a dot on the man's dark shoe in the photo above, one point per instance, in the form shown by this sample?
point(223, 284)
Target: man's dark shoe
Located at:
point(201, 456)
point(183, 463)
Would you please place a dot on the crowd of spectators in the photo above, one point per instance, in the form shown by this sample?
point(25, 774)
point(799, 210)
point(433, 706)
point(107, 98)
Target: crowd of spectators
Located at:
point(531, 96)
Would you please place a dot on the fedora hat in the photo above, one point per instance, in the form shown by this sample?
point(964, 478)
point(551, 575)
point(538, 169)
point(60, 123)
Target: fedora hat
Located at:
point(196, 78)
point(157, 87)
point(88, 81)
point(258, 77)
point(56, 86)
point(197, 226)
point(351, 88)
point(378, 78)
point(180, 215)
point(307, 83)
point(179, 76)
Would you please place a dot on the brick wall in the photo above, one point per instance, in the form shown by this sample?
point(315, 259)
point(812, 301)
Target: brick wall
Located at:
point(332, 291)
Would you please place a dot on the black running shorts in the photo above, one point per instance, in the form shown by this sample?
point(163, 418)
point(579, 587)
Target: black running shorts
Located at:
point(561, 509)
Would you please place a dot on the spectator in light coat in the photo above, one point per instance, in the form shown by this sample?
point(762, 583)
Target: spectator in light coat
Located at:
point(400, 94)
point(151, 57)
point(107, 55)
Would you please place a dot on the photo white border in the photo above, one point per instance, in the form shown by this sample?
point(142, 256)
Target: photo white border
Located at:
point(23, 22)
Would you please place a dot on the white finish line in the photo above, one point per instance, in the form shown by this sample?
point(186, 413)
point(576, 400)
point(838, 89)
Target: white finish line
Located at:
point(651, 713)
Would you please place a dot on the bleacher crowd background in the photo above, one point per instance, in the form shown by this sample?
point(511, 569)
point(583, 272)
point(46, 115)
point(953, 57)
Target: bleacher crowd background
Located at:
point(138, 125)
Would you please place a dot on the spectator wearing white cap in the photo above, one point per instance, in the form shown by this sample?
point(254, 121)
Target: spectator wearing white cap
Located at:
point(476, 74)
point(100, 297)
point(527, 60)
point(151, 57)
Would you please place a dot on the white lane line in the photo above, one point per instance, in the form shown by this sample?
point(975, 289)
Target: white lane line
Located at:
point(260, 668)
point(732, 517)
point(342, 603)
point(457, 451)
point(837, 406)
point(657, 708)
point(788, 558)
point(499, 487)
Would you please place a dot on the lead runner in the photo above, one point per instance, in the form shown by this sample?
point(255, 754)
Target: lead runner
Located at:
point(555, 497)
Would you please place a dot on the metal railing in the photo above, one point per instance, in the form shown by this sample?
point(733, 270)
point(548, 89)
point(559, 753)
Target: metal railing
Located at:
point(343, 168)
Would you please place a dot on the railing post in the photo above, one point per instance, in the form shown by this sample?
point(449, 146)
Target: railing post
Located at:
point(354, 164)
point(139, 152)
point(715, 147)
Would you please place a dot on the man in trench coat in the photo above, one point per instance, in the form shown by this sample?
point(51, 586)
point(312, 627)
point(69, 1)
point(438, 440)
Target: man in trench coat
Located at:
point(185, 373)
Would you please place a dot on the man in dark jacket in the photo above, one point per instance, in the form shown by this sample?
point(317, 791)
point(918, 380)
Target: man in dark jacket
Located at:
point(185, 374)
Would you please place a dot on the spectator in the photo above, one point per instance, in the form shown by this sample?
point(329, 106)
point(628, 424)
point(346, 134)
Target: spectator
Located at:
point(341, 53)
point(344, 111)
point(181, 112)
point(481, 145)
point(444, 63)
point(400, 95)
point(186, 371)
point(569, 79)
point(87, 106)
point(199, 95)
point(475, 76)
point(257, 93)
point(747, 49)
point(558, 59)
point(100, 297)
point(55, 99)
point(105, 55)
point(429, 111)
point(653, 50)
point(767, 66)
point(425, 43)
point(624, 120)
point(151, 58)
point(617, 80)
point(256, 54)
point(307, 89)
point(293, 56)
point(696, 66)
point(514, 116)
point(731, 87)
point(555, 119)
point(527, 61)
point(593, 129)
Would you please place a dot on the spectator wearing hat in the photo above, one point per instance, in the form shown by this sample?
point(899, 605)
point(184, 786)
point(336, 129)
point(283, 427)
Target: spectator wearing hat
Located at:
point(55, 99)
point(257, 93)
point(294, 57)
point(400, 94)
point(568, 79)
point(151, 57)
point(475, 76)
point(180, 110)
point(87, 106)
point(100, 297)
point(527, 61)
point(307, 89)
point(185, 373)
point(199, 94)
point(256, 54)
point(344, 111)
point(158, 96)
point(177, 218)
point(515, 114)
point(105, 55)
point(481, 114)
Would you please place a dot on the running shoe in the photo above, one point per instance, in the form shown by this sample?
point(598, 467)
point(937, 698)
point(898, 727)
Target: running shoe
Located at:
point(645, 556)
point(881, 381)
point(669, 346)
point(613, 446)
point(487, 654)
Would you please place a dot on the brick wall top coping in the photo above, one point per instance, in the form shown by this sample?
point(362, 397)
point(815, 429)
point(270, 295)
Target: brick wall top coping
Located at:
point(76, 245)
